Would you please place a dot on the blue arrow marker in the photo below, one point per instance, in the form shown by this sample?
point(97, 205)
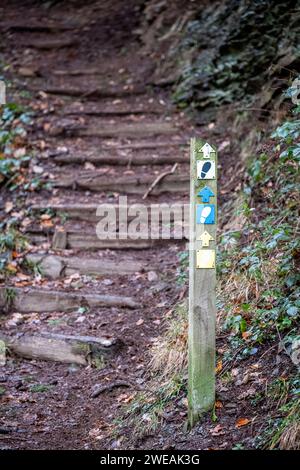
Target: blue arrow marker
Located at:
point(205, 194)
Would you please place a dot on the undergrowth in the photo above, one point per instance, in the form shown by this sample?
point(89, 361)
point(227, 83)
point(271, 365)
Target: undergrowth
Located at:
point(16, 179)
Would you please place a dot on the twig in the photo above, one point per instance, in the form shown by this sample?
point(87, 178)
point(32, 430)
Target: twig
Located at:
point(159, 179)
point(98, 389)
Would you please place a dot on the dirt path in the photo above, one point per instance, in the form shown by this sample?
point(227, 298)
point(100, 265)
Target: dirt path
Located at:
point(98, 128)
point(101, 130)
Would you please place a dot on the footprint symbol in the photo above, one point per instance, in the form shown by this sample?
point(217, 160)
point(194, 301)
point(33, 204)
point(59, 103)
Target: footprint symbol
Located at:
point(205, 169)
point(204, 214)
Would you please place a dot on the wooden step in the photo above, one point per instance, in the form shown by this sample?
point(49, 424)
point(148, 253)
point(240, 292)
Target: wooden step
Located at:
point(128, 184)
point(47, 346)
point(88, 212)
point(109, 159)
point(91, 109)
point(40, 27)
point(52, 43)
point(97, 92)
point(54, 266)
point(133, 131)
point(82, 241)
point(42, 300)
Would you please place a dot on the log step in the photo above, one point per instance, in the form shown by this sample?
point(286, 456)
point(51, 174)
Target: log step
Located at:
point(82, 350)
point(81, 241)
point(39, 27)
point(48, 44)
point(89, 109)
point(40, 300)
point(133, 131)
point(54, 266)
point(123, 161)
point(88, 212)
point(127, 184)
point(97, 92)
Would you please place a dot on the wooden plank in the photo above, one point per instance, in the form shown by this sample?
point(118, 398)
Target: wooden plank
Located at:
point(26, 300)
point(202, 297)
point(109, 159)
point(68, 349)
point(134, 131)
point(96, 92)
point(79, 241)
point(123, 184)
point(56, 266)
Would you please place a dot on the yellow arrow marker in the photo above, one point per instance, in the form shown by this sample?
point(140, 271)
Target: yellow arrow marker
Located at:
point(205, 238)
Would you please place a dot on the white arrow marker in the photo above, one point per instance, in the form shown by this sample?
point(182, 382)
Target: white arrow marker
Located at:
point(207, 150)
point(205, 238)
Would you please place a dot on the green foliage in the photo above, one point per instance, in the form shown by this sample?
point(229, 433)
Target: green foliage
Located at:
point(12, 136)
point(40, 388)
point(10, 240)
point(267, 261)
point(182, 271)
point(229, 50)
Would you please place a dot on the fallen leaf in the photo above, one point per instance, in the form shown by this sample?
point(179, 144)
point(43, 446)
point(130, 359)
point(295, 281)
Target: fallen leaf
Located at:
point(46, 223)
point(246, 334)
point(242, 422)
point(11, 268)
point(219, 404)
point(219, 367)
point(217, 430)
point(8, 206)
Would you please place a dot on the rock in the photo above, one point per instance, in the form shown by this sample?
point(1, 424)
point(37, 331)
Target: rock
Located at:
point(152, 276)
point(2, 355)
point(27, 72)
point(52, 266)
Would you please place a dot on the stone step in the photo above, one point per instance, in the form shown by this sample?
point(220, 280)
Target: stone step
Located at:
point(27, 300)
point(54, 266)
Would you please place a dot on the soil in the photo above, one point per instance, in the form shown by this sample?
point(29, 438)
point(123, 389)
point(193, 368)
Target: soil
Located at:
point(98, 40)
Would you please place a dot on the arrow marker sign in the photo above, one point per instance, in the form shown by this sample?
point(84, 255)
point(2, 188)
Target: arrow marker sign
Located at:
point(208, 151)
point(205, 238)
point(205, 194)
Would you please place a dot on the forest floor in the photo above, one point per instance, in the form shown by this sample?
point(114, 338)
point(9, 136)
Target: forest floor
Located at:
point(96, 113)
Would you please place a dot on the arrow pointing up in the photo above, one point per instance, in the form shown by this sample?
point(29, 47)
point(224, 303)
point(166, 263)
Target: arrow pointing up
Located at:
point(207, 149)
point(205, 238)
point(205, 194)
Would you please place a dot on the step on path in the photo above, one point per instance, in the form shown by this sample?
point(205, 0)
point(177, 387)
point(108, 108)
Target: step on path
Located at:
point(117, 291)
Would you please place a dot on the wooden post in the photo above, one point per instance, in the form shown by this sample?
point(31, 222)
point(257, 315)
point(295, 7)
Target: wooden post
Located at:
point(202, 279)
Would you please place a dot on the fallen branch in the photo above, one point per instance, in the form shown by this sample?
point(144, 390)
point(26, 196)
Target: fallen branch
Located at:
point(159, 179)
point(98, 389)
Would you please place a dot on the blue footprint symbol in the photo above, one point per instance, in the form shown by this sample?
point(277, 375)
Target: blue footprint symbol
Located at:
point(205, 169)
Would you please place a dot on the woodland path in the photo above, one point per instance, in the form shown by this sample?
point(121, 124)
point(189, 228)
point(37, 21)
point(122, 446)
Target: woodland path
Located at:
point(101, 129)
